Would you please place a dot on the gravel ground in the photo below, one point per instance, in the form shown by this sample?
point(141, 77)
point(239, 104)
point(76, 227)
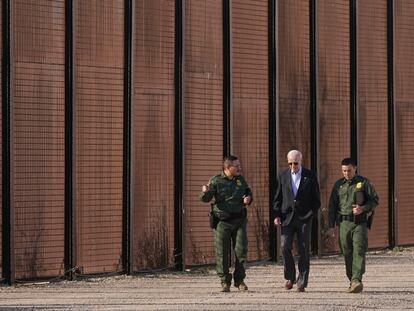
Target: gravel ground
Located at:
point(388, 285)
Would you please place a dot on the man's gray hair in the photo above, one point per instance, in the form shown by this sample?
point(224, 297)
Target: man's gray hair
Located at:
point(293, 153)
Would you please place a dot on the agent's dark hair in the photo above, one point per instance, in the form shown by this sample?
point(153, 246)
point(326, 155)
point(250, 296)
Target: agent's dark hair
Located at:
point(228, 160)
point(349, 161)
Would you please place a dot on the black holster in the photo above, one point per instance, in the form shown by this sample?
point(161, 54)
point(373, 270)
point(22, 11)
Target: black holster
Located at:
point(212, 217)
point(370, 219)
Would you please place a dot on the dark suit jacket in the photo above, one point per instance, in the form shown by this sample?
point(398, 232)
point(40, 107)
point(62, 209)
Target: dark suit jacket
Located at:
point(307, 200)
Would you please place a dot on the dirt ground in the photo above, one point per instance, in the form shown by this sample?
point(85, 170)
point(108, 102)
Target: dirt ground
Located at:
point(388, 285)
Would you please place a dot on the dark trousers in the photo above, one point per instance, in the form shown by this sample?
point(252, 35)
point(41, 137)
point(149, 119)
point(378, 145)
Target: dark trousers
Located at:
point(302, 229)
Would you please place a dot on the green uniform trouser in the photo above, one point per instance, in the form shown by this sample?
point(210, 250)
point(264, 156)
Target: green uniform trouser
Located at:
point(226, 232)
point(353, 240)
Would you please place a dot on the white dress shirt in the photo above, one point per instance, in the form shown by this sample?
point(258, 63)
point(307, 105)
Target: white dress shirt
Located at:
point(296, 181)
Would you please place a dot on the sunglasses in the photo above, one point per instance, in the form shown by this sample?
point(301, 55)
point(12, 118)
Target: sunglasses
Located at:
point(293, 163)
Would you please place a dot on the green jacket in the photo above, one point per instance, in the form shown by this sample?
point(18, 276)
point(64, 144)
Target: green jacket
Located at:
point(228, 193)
point(343, 195)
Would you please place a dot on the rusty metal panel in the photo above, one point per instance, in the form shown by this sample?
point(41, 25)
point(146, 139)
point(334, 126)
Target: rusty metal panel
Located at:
point(373, 109)
point(203, 121)
point(333, 35)
point(38, 148)
point(404, 119)
point(98, 40)
point(250, 106)
point(293, 76)
point(153, 134)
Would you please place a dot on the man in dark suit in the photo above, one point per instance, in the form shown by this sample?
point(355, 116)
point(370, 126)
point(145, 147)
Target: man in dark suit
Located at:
point(296, 201)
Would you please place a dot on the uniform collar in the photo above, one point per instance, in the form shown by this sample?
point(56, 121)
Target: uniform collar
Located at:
point(223, 175)
point(354, 180)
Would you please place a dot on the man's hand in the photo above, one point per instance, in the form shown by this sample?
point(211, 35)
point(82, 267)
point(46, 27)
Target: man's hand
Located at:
point(331, 232)
point(277, 221)
point(356, 209)
point(204, 188)
point(247, 199)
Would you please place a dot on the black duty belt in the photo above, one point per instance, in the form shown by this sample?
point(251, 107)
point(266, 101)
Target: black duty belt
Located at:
point(347, 217)
point(224, 216)
point(357, 219)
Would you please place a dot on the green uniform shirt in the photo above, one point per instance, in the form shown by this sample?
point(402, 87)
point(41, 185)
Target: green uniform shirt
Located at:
point(343, 196)
point(228, 193)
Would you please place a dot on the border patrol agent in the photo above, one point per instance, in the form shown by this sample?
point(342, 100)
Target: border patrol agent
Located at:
point(231, 195)
point(352, 199)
